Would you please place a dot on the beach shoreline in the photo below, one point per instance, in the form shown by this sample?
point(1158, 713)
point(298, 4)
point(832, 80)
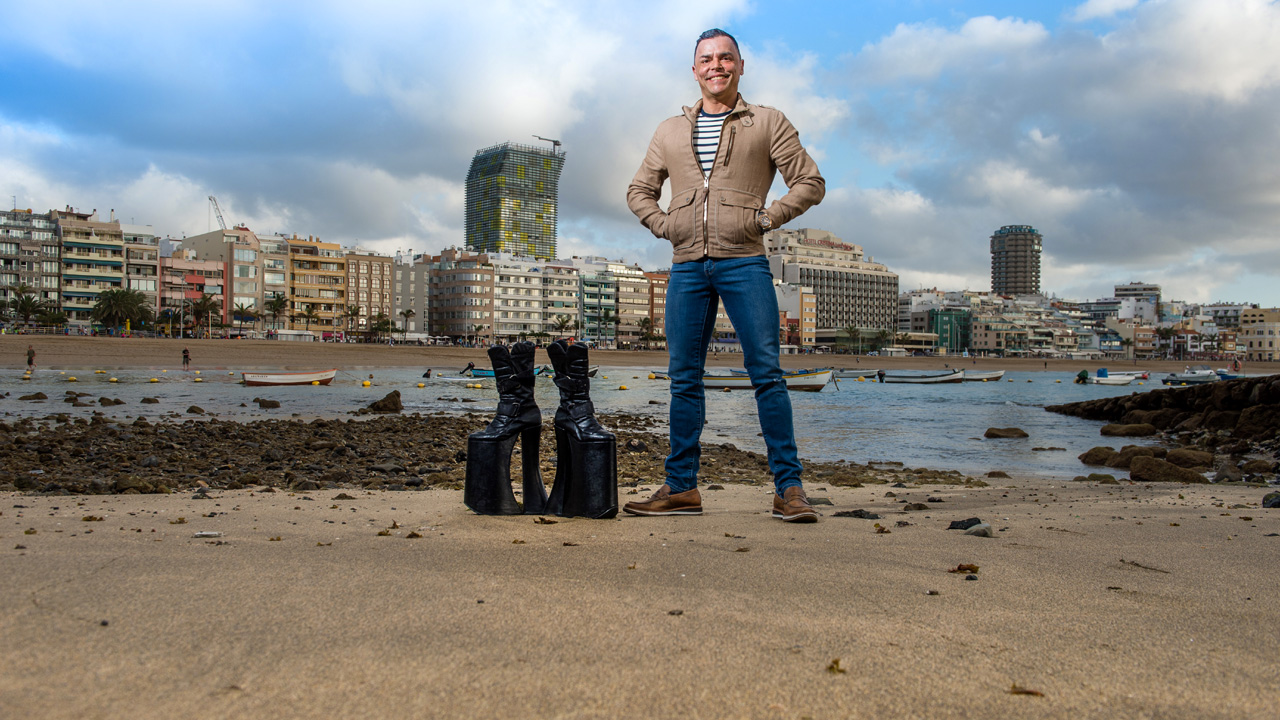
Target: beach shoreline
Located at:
point(59, 352)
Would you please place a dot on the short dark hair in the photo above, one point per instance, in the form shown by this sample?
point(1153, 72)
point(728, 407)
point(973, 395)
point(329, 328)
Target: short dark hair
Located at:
point(715, 33)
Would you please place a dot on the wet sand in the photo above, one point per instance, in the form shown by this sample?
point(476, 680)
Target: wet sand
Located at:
point(62, 353)
point(1103, 601)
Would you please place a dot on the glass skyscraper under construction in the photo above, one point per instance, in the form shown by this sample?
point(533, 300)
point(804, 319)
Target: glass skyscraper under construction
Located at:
point(512, 197)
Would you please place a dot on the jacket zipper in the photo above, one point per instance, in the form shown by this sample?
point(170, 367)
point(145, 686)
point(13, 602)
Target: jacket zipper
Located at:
point(706, 177)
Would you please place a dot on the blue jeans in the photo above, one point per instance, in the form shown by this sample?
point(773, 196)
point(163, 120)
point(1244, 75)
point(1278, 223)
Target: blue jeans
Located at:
point(746, 288)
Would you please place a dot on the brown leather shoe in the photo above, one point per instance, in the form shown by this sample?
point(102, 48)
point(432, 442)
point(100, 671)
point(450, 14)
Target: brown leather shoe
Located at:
point(793, 506)
point(664, 502)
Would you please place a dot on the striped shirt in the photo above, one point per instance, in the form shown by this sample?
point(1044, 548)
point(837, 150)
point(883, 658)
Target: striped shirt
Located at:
point(706, 139)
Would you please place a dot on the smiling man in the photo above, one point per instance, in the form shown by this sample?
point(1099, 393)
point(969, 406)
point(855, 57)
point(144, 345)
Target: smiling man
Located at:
point(721, 156)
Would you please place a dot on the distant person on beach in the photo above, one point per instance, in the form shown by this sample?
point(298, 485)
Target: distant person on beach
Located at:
point(31, 358)
point(186, 359)
point(427, 374)
point(721, 156)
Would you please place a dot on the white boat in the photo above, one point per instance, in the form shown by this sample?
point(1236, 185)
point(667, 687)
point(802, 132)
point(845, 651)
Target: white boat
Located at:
point(1194, 375)
point(319, 377)
point(954, 376)
point(845, 373)
point(1135, 374)
point(971, 375)
point(808, 381)
point(1111, 379)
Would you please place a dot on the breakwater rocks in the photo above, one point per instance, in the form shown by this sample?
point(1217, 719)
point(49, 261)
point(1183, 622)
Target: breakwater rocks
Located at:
point(59, 454)
point(1231, 427)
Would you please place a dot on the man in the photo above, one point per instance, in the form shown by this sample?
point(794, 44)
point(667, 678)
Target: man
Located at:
point(721, 156)
point(31, 358)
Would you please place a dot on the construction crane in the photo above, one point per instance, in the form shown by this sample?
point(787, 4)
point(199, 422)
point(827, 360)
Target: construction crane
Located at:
point(217, 211)
point(555, 144)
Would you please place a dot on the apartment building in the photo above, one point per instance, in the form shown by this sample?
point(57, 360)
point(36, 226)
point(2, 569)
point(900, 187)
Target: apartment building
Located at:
point(998, 335)
point(369, 293)
point(851, 290)
point(461, 296)
point(318, 295)
point(410, 281)
point(92, 261)
point(1259, 333)
point(519, 301)
point(30, 256)
point(277, 276)
point(183, 280)
point(1015, 260)
point(238, 252)
point(798, 310)
point(658, 282)
point(562, 296)
point(142, 262)
point(512, 196)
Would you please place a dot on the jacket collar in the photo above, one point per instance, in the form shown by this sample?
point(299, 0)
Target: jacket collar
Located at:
point(692, 112)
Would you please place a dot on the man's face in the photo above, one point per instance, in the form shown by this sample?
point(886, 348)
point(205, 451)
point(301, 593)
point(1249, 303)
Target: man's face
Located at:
point(717, 67)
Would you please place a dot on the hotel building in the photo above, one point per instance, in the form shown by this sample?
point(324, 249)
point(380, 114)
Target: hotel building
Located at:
point(1015, 260)
point(512, 200)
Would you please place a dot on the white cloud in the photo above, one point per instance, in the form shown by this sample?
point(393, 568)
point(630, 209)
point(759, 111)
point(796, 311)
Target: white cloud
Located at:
point(925, 51)
point(1094, 9)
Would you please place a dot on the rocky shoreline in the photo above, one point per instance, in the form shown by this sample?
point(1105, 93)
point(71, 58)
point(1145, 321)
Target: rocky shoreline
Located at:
point(1229, 428)
point(389, 451)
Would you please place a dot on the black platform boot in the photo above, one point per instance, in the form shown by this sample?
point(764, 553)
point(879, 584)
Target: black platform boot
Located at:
point(586, 454)
point(488, 484)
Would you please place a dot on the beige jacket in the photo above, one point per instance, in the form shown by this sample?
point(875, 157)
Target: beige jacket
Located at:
point(716, 216)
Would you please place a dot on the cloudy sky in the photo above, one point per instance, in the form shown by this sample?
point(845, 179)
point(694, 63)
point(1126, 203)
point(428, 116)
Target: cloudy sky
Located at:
point(1139, 137)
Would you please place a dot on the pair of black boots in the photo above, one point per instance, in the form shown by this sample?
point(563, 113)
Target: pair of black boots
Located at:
point(586, 454)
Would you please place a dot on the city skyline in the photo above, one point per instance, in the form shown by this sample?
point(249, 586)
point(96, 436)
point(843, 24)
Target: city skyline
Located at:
point(1134, 135)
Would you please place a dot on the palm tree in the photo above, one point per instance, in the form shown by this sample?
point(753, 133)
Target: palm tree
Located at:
point(607, 318)
point(646, 331)
point(562, 323)
point(882, 338)
point(203, 310)
point(308, 316)
point(118, 306)
point(276, 307)
point(849, 332)
point(381, 324)
point(406, 314)
point(352, 312)
point(53, 317)
point(242, 313)
point(26, 304)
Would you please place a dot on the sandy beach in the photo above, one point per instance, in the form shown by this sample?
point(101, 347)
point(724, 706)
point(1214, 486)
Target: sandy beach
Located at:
point(1097, 601)
point(356, 596)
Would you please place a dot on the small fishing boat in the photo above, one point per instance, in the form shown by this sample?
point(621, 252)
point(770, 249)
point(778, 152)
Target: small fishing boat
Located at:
point(548, 371)
point(1194, 375)
point(1224, 374)
point(1135, 374)
point(972, 376)
point(954, 376)
point(1111, 379)
point(320, 377)
point(808, 381)
point(847, 373)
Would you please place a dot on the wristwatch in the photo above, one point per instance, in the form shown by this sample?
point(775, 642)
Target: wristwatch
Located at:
point(762, 219)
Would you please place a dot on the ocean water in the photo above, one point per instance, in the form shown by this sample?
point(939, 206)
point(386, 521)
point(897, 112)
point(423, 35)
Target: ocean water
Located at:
point(933, 426)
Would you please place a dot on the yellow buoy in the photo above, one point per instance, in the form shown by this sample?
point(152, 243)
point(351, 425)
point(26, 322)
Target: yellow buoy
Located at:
point(1028, 381)
point(313, 382)
point(1139, 383)
point(606, 377)
point(366, 383)
point(652, 376)
point(113, 380)
point(71, 379)
point(422, 385)
point(64, 372)
point(622, 387)
point(1058, 382)
point(197, 372)
point(861, 379)
point(26, 377)
point(198, 380)
point(99, 372)
point(725, 390)
point(152, 380)
point(164, 371)
point(984, 379)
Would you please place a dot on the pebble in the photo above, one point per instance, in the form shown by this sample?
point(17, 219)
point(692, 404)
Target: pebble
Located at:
point(980, 530)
